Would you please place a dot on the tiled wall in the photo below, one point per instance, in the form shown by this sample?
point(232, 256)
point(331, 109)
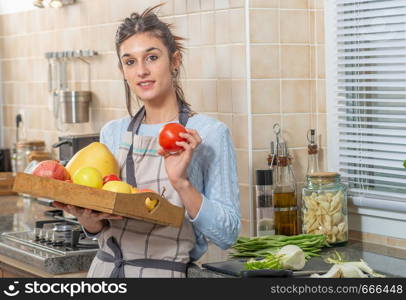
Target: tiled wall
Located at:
point(287, 77)
point(287, 69)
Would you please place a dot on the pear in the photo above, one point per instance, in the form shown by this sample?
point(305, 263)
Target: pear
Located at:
point(95, 155)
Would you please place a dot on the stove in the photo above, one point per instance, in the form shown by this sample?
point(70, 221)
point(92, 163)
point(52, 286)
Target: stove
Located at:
point(57, 245)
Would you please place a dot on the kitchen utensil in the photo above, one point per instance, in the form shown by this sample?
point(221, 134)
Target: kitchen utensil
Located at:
point(74, 106)
point(278, 273)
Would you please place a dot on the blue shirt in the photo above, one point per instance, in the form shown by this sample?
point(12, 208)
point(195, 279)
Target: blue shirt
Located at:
point(212, 172)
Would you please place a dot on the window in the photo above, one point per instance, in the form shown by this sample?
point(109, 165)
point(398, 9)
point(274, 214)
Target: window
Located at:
point(366, 89)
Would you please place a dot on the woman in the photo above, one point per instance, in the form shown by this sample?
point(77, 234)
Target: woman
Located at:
point(202, 177)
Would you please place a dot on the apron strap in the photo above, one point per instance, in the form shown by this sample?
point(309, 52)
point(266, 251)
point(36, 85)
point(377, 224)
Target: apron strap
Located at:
point(134, 127)
point(119, 262)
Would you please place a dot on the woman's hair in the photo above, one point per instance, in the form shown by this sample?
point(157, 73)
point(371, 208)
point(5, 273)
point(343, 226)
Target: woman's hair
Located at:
point(148, 22)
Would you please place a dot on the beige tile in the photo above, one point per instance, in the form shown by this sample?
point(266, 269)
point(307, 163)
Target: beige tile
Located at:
point(224, 96)
point(221, 4)
point(102, 37)
point(238, 69)
point(321, 67)
point(294, 4)
point(294, 129)
point(195, 29)
point(295, 61)
point(264, 34)
point(240, 131)
point(264, 3)
point(245, 228)
point(236, 3)
point(104, 67)
point(265, 96)
point(207, 5)
point(193, 93)
point(73, 15)
point(316, 4)
point(322, 129)
point(180, 7)
point(244, 202)
point(102, 11)
point(209, 96)
point(193, 6)
point(237, 26)
point(265, 61)
point(294, 26)
point(242, 166)
point(259, 161)
point(195, 63)
point(296, 96)
point(167, 9)
point(181, 27)
point(319, 26)
point(321, 96)
point(239, 96)
point(262, 132)
point(299, 163)
point(208, 62)
point(223, 61)
point(208, 36)
point(222, 27)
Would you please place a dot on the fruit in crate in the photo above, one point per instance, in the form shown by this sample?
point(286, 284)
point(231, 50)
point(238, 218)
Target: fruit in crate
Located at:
point(95, 155)
point(118, 187)
point(88, 176)
point(134, 190)
point(110, 177)
point(169, 135)
point(51, 169)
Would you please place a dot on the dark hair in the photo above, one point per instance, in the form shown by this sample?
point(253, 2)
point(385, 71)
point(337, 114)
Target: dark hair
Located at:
point(148, 22)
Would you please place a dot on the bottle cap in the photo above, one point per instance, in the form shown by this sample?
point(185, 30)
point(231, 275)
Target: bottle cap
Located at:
point(264, 177)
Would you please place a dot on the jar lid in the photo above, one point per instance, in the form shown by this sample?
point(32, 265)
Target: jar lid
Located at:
point(323, 174)
point(264, 177)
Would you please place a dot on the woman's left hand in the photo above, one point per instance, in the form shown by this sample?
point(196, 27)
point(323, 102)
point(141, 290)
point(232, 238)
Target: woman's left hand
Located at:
point(176, 164)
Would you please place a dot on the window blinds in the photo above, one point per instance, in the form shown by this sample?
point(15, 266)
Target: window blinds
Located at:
point(370, 97)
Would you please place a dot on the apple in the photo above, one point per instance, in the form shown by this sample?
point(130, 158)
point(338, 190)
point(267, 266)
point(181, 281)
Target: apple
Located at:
point(88, 176)
point(111, 177)
point(118, 187)
point(51, 169)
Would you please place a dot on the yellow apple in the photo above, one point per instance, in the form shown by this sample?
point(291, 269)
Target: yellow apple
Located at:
point(118, 187)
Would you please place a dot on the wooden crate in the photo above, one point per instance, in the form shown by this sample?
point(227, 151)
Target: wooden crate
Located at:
point(6, 183)
point(127, 205)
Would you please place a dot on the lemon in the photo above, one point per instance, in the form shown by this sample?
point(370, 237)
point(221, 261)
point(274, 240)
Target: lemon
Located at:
point(88, 176)
point(117, 187)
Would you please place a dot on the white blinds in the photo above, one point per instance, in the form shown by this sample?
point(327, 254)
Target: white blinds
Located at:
point(370, 94)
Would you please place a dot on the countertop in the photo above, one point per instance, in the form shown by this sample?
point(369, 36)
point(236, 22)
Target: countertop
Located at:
point(19, 214)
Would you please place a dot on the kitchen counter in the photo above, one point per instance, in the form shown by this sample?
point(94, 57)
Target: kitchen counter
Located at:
point(20, 214)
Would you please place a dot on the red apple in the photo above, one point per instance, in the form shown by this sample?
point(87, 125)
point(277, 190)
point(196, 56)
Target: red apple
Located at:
point(51, 169)
point(110, 177)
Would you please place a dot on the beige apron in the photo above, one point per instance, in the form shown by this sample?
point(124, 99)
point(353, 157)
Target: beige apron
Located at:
point(134, 248)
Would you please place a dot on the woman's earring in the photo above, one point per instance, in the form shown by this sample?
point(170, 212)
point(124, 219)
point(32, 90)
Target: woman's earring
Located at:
point(175, 73)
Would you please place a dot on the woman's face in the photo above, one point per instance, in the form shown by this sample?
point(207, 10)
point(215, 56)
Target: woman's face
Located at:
point(146, 66)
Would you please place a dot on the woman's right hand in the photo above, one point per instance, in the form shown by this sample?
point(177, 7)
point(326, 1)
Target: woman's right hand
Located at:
point(92, 221)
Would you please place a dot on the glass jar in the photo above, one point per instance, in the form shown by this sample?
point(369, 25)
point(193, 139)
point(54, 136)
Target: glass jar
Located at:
point(22, 152)
point(324, 207)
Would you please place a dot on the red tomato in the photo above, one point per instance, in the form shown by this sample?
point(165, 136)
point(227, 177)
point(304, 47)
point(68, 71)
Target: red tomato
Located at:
point(169, 135)
point(110, 177)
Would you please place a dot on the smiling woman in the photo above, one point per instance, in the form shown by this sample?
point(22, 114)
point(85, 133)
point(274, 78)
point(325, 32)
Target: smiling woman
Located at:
point(201, 176)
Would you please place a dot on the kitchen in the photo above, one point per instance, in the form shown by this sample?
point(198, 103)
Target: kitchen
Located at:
point(250, 64)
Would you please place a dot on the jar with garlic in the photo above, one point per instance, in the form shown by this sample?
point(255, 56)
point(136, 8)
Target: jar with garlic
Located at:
point(324, 207)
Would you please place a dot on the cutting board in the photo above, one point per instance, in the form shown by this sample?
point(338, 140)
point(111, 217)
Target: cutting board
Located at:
point(234, 267)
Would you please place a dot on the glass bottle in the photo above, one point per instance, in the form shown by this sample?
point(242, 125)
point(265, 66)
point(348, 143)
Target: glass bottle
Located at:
point(263, 191)
point(284, 194)
point(312, 150)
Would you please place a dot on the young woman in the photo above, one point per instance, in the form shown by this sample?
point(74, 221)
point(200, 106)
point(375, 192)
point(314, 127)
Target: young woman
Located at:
point(202, 177)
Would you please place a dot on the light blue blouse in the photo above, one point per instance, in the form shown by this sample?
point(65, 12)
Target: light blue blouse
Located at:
point(212, 172)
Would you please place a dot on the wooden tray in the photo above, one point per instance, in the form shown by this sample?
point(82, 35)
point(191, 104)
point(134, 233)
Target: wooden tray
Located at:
point(127, 205)
point(6, 183)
